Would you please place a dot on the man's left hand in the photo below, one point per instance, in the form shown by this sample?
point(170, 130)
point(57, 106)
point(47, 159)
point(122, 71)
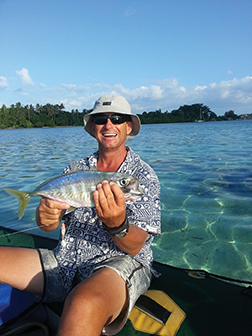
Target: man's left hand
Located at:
point(110, 204)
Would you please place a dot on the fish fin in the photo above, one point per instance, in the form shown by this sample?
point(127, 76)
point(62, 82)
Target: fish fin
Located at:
point(75, 167)
point(93, 168)
point(72, 208)
point(23, 198)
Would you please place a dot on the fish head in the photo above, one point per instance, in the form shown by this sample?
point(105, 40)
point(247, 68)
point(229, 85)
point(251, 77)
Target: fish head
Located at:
point(131, 188)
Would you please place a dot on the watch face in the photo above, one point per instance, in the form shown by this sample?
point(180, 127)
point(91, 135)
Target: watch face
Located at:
point(122, 234)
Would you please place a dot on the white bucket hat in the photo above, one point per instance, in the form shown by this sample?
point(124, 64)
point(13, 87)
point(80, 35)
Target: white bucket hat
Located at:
point(113, 104)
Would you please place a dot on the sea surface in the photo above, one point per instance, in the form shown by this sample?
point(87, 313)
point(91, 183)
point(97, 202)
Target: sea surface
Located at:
point(205, 171)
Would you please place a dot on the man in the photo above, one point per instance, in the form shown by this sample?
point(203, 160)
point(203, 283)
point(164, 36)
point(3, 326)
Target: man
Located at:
point(102, 263)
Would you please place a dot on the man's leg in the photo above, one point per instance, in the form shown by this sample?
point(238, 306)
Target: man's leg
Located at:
point(92, 304)
point(21, 268)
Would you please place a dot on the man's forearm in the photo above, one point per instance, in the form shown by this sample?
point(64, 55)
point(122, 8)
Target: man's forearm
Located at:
point(133, 242)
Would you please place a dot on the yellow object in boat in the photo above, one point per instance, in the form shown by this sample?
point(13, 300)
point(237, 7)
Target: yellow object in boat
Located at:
point(156, 313)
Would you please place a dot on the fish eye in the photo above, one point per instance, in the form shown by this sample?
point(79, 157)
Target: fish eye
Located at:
point(124, 182)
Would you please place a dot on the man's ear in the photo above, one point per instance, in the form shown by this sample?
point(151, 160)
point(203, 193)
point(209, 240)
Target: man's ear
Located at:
point(92, 126)
point(129, 127)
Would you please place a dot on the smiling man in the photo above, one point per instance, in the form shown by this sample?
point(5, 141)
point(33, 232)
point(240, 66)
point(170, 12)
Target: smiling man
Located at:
point(103, 261)
point(110, 135)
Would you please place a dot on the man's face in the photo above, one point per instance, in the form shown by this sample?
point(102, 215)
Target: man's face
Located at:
point(110, 136)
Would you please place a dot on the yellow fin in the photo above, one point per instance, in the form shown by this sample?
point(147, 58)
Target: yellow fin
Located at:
point(23, 198)
point(72, 208)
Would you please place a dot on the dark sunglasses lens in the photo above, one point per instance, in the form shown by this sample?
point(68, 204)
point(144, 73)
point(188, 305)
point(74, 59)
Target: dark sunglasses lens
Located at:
point(100, 119)
point(116, 119)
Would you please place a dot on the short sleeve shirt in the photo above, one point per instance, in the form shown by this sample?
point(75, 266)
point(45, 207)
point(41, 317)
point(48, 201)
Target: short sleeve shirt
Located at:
point(85, 243)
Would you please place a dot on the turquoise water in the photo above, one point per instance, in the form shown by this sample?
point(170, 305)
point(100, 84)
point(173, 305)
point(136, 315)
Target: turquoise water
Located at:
point(205, 171)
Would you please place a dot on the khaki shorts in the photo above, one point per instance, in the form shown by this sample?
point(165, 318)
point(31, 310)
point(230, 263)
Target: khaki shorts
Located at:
point(136, 276)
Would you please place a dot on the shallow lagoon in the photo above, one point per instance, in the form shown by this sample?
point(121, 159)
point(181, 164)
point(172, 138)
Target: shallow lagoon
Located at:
point(205, 171)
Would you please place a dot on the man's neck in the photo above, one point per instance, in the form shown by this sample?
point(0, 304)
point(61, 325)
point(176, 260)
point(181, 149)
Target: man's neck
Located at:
point(111, 161)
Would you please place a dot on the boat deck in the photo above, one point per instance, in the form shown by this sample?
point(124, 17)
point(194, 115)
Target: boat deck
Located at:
point(213, 307)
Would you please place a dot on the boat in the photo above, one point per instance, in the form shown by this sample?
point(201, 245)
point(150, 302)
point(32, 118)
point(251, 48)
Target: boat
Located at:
point(208, 304)
point(201, 117)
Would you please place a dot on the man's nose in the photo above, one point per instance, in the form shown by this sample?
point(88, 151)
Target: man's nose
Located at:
point(109, 122)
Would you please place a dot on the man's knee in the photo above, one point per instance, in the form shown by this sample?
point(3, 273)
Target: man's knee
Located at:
point(89, 307)
point(98, 295)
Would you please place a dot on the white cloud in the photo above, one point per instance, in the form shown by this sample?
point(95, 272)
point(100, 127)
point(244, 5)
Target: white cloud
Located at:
point(3, 82)
point(225, 94)
point(167, 94)
point(153, 92)
point(200, 88)
point(235, 91)
point(75, 88)
point(129, 11)
point(25, 77)
point(156, 92)
point(212, 85)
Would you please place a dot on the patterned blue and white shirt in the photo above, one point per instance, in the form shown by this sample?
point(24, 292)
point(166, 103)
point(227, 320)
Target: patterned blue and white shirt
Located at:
point(86, 243)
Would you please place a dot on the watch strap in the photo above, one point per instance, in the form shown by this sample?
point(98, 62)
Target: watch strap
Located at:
point(118, 229)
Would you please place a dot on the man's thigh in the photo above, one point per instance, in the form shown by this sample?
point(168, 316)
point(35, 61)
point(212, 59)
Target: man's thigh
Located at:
point(21, 268)
point(137, 279)
point(106, 287)
point(93, 303)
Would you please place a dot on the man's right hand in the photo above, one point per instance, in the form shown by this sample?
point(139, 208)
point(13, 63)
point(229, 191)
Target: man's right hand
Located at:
point(49, 213)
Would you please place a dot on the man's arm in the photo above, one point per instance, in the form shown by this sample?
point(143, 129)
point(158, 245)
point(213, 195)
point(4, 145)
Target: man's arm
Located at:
point(133, 242)
point(110, 207)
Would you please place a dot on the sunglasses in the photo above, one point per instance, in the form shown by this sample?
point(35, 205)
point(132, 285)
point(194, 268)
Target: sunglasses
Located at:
point(116, 119)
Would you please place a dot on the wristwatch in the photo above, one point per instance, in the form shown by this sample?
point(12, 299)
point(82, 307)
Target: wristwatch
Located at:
point(119, 231)
point(122, 234)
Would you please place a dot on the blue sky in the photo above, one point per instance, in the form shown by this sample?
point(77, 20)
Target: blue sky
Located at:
point(159, 54)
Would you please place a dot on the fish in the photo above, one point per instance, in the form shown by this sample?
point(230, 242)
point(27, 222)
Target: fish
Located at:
point(77, 189)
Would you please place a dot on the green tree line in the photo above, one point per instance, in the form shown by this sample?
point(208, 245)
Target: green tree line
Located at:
point(18, 116)
point(48, 115)
point(185, 113)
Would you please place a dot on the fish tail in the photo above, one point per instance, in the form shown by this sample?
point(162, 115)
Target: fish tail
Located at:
point(23, 198)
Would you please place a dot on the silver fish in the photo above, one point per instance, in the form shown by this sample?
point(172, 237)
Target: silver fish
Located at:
point(77, 189)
